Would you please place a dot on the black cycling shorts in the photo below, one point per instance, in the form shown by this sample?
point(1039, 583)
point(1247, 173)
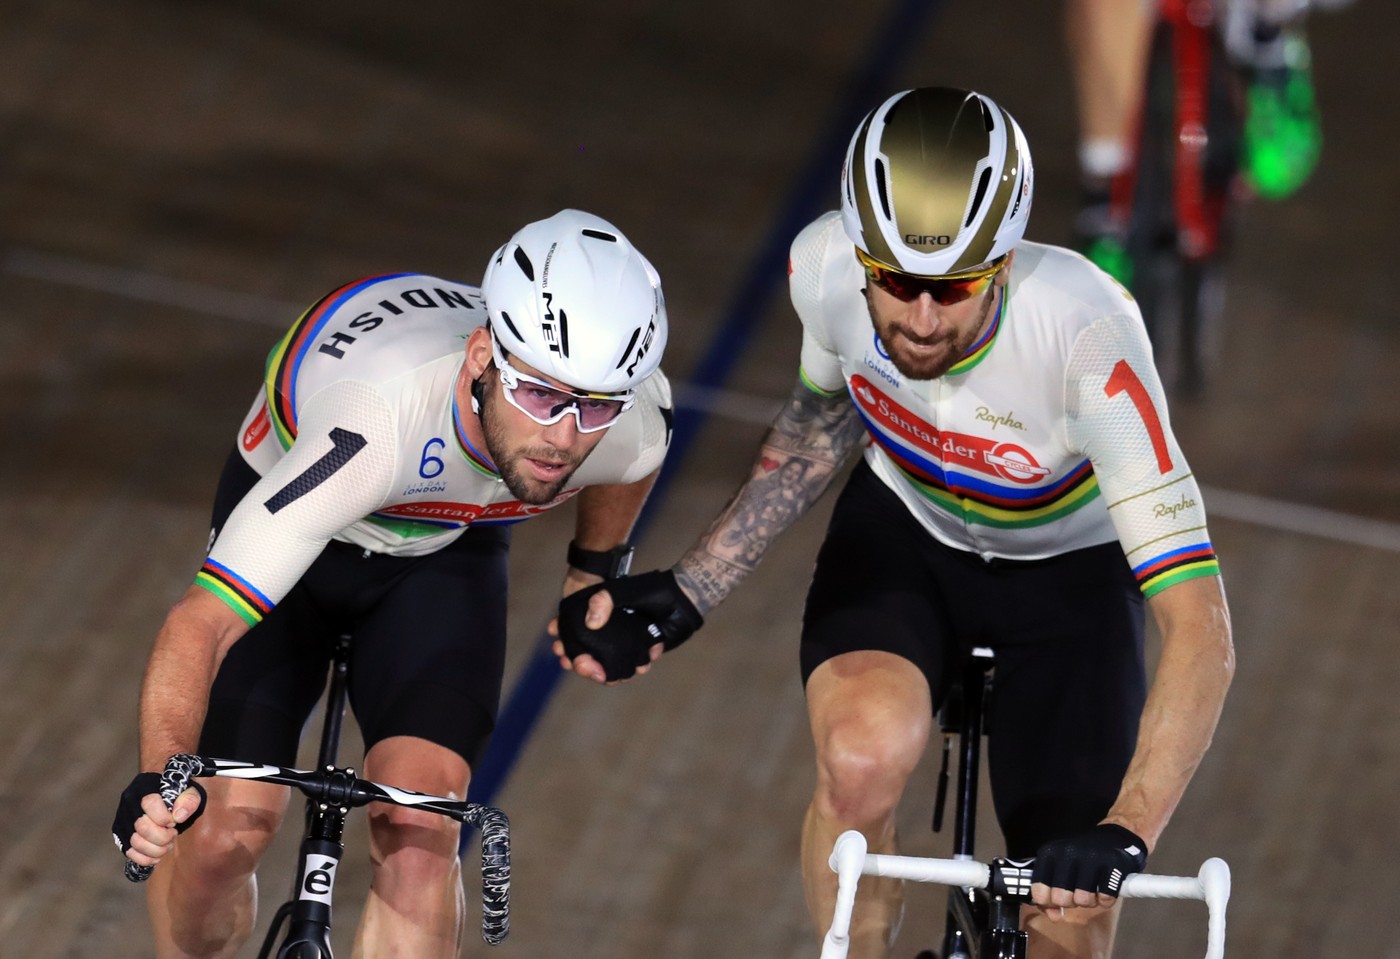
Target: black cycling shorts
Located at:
point(428, 637)
point(1067, 632)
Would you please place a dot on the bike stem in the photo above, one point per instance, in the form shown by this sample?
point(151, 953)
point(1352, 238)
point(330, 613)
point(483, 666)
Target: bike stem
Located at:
point(317, 863)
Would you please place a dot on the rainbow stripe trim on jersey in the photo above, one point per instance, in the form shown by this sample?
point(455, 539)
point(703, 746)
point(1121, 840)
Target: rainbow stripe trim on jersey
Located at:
point(1175, 566)
point(976, 501)
point(284, 362)
point(241, 596)
point(993, 482)
point(477, 460)
point(979, 350)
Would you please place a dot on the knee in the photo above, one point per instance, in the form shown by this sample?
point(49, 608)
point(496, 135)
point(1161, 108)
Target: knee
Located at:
point(412, 851)
point(862, 771)
point(224, 846)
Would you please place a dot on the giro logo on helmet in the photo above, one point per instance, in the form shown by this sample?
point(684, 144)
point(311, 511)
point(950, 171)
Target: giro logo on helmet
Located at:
point(927, 239)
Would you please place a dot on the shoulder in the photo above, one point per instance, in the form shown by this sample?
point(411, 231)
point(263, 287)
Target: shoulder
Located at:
point(824, 277)
point(1068, 283)
point(813, 254)
point(1063, 297)
point(373, 328)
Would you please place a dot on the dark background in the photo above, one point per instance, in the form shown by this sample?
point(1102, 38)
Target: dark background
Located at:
point(179, 180)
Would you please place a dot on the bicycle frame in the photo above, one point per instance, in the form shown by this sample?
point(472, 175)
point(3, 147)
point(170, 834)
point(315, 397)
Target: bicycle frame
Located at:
point(985, 899)
point(331, 793)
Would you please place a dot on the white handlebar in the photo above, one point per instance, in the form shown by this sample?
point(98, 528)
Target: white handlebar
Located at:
point(849, 860)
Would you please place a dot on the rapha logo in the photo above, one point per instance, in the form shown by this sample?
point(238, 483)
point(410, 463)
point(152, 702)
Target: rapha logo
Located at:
point(1171, 509)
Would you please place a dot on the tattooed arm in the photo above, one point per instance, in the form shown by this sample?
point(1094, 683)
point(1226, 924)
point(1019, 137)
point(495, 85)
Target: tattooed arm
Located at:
point(801, 453)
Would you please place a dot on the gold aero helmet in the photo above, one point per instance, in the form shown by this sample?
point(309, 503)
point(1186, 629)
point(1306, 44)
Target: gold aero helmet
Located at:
point(936, 181)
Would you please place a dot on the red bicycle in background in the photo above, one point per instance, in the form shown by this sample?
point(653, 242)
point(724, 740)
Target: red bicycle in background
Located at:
point(1172, 207)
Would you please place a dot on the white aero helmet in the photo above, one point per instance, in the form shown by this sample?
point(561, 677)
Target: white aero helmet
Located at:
point(936, 181)
point(570, 296)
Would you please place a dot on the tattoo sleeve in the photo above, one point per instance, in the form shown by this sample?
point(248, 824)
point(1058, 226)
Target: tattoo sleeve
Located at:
point(801, 453)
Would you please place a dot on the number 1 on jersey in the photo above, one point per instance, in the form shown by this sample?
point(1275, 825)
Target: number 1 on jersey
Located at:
point(1124, 380)
point(344, 445)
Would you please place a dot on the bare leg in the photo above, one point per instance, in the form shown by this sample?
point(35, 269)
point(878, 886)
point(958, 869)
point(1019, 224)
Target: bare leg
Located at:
point(416, 902)
point(1107, 43)
point(871, 715)
point(203, 896)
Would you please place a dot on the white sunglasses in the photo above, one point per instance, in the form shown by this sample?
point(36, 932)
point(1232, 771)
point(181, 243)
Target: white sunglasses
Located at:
point(547, 404)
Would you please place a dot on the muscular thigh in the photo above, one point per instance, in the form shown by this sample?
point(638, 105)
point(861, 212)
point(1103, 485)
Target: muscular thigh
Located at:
point(873, 589)
point(1069, 688)
point(428, 658)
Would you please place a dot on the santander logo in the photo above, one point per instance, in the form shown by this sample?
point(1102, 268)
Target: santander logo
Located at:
point(1007, 461)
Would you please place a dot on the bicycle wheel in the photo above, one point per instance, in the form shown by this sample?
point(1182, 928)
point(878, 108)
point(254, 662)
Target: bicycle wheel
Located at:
point(1184, 181)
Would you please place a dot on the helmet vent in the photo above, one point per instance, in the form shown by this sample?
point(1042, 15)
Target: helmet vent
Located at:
point(982, 182)
point(526, 266)
point(627, 350)
point(600, 235)
point(511, 326)
point(986, 116)
point(883, 190)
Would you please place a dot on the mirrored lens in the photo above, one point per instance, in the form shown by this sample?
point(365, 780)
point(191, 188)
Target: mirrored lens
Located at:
point(546, 405)
point(944, 290)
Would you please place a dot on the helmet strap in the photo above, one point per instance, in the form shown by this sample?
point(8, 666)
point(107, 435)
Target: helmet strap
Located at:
point(478, 391)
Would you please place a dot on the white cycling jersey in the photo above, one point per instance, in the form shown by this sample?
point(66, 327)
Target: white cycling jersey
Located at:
point(357, 437)
point(1050, 435)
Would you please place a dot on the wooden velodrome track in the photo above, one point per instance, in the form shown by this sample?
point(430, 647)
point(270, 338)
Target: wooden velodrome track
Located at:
point(178, 180)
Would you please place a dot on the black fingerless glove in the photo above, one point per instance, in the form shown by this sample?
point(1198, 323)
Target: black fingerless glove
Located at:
point(129, 808)
point(1096, 861)
point(649, 608)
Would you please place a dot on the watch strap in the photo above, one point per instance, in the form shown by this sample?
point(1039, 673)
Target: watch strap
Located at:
point(607, 563)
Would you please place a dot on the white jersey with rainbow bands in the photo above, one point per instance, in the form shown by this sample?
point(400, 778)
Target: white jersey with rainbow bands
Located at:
point(357, 437)
point(1050, 435)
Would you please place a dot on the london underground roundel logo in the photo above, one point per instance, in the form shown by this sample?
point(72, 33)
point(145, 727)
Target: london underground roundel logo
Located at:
point(880, 348)
point(1013, 463)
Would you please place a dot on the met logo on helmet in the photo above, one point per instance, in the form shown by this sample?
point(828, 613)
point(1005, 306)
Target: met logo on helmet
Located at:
point(928, 239)
point(642, 349)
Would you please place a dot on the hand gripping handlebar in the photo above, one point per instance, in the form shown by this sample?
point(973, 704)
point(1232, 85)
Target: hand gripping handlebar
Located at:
point(849, 860)
point(338, 787)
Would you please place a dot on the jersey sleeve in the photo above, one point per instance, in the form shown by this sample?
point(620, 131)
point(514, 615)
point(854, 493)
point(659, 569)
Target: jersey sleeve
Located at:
point(807, 259)
point(1117, 415)
point(339, 469)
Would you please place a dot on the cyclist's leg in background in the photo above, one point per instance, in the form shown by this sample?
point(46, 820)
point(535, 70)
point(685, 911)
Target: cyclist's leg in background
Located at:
point(870, 655)
point(1107, 43)
point(1062, 725)
point(202, 899)
point(425, 683)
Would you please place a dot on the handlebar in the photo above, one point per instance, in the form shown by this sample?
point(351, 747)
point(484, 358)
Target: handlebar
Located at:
point(849, 860)
point(340, 787)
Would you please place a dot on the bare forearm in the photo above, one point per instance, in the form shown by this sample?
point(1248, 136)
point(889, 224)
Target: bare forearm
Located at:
point(800, 455)
point(606, 514)
point(179, 674)
point(1182, 710)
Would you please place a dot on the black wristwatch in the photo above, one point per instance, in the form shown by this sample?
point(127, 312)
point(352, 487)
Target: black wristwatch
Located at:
point(607, 563)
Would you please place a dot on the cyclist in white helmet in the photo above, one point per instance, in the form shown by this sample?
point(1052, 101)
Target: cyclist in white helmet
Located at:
point(1020, 488)
point(397, 435)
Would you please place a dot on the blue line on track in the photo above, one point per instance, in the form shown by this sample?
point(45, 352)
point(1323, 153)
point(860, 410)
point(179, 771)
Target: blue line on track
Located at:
point(814, 191)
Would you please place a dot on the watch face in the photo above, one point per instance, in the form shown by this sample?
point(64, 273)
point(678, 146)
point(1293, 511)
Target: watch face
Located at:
point(622, 565)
